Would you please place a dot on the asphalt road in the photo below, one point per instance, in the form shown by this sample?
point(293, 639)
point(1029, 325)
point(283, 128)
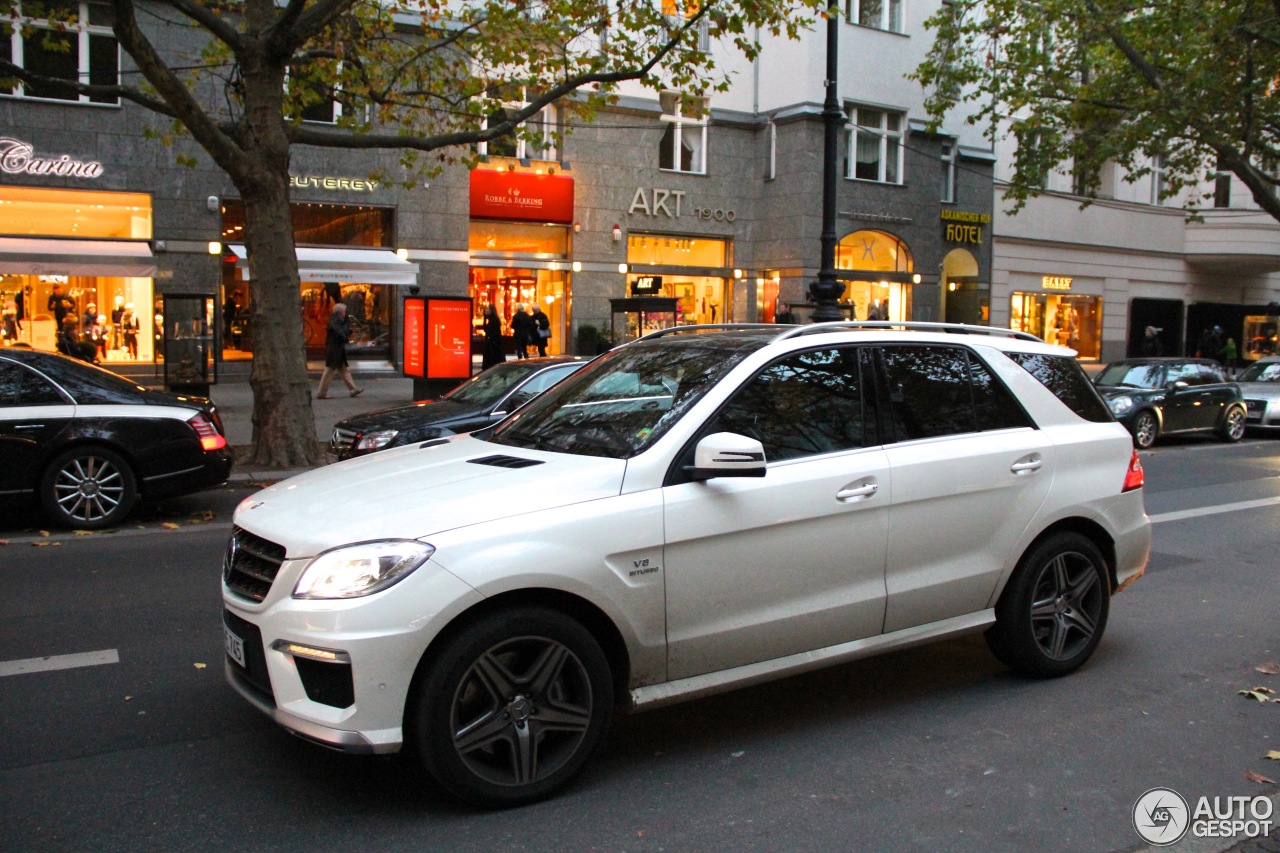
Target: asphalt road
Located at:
point(932, 749)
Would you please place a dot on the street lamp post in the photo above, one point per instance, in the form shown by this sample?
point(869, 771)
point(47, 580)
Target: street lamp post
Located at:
point(827, 289)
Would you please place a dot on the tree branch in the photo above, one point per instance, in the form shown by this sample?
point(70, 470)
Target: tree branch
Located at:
point(204, 16)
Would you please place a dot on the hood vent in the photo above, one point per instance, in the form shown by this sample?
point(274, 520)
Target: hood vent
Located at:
point(435, 442)
point(505, 461)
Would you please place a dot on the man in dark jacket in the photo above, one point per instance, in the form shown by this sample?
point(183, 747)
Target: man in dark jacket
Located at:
point(522, 331)
point(335, 353)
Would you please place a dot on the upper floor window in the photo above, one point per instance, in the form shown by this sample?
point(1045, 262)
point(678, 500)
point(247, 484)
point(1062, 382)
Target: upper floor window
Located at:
point(948, 172)
point(1158, 179)
point(679, 11)
point(684, 143)
point(879, 14)
point(72, 42)
point(875, 145)
point(534, 139)
point(1222, 186)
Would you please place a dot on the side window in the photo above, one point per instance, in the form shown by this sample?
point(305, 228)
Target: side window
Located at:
point(1210, 375)
point(929, 393)
point(1064, 377)
point(808, 403)
point(1188, 373)
point(22, 387)
point(995, 406)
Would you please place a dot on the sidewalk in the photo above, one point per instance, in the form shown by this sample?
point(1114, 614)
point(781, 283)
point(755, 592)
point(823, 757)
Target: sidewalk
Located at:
point(382, 389)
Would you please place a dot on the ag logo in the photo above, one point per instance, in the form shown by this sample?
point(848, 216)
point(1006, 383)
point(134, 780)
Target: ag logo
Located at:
point(1161, 817)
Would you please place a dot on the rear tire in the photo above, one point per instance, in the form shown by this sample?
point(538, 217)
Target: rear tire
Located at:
point(1233, 424)
point(511, 708)
point(88, 488)
point(1052, 613)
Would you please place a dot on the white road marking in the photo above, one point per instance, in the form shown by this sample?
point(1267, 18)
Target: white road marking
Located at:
point(47, 664)
point(1213, 510)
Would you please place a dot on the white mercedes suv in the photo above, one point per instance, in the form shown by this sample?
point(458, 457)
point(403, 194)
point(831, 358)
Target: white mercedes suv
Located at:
point(701, 509)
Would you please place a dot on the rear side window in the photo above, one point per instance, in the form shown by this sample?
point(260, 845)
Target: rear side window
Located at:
point(937, 390)
point(1062, 375)
point(22, 387)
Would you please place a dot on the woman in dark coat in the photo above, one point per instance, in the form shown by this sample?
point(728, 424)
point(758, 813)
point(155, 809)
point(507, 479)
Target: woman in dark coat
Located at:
point(522, 331)
point(492, 338)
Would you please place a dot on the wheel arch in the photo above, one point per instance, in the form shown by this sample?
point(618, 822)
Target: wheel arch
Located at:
point(587, 614)
point(79, 441)
point(1092, 531)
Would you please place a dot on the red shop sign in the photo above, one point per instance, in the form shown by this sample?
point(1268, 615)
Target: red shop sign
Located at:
point(521, 195)
point(415, 337)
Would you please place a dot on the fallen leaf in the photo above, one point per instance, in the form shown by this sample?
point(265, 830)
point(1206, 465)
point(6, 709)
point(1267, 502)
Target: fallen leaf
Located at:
point(44, 533)
point(1250, 776)
point(1257, 695)
point(169, 525)
point(128, 698)
point(1267, 690)
point(200, 665)
point(1273, 754)
point(1269, 668)
point(82, 533)
point(38, 544)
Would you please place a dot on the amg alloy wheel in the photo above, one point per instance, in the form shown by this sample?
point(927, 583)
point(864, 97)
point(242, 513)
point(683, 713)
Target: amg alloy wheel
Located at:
point(512, 707)
point(1052, 614)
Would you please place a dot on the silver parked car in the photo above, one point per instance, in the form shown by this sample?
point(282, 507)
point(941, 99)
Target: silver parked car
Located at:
point(1260, 386)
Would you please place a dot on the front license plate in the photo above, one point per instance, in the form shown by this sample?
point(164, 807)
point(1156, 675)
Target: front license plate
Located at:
point(235, 647)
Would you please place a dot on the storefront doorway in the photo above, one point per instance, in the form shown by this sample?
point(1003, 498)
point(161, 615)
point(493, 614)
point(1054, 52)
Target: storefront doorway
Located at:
point(964, 299)
point(880, 289)
point(514, 267)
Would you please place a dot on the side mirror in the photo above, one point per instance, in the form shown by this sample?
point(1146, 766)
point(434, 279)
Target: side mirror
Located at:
point(1177, 385)
point(726, 454)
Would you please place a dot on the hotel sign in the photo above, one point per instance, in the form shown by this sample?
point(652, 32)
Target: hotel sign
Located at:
point(1055, 282)
point(963, 226)
point(19, 158)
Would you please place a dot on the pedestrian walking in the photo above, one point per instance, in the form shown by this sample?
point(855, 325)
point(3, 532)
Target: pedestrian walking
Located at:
point(335, 353)
point(522, 331)
point(541, 330)
point(492, 338)
point(1151, 345)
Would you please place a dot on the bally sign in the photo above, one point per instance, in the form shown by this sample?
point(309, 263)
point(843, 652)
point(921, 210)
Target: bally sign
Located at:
point(521, 195)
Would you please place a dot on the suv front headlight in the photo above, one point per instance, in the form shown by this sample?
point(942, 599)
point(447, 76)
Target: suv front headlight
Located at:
point(1120, 405)
point(376, 440)
point(356, 570)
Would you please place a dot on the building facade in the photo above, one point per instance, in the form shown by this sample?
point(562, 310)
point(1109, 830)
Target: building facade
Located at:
point(663, 210)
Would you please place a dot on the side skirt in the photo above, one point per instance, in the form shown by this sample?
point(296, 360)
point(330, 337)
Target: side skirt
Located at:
point(697, 686)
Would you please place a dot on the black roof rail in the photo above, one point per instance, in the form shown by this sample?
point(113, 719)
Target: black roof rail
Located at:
point(910, 326)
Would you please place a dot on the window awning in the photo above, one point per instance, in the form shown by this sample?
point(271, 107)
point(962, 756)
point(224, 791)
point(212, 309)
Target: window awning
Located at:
point(352, 266)
point(48, 256)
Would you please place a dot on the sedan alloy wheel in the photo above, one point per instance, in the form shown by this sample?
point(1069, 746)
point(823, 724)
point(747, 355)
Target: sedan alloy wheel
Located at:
point(88, 488)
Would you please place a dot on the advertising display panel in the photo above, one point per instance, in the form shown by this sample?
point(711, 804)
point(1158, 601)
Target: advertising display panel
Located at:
point(448, 338)
point(414, 337)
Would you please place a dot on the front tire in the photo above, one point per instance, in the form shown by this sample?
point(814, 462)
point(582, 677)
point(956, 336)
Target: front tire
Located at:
point(1233, 424)
point(1052, 613)
point(1146, 428)
point(88, 488)
point(511, 708)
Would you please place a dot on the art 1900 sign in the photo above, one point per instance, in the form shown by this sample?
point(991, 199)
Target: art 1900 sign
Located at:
point(19, 158)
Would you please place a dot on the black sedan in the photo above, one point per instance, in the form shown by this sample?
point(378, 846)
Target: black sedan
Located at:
point(88, 444)
point(481, 401)
point(1154, 397)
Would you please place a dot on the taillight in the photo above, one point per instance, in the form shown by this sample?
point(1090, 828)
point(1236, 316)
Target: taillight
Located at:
point(1134, 478)
point(210, 438)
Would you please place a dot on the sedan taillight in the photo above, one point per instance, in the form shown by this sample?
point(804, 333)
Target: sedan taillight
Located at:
point(210, 438)
point(1134, 477)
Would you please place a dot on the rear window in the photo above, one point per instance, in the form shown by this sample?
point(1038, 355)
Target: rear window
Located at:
point(1063, 376)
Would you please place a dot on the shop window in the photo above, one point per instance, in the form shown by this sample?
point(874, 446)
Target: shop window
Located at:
point(684, 143)
point(1067, 320)
point(878, 14)
point(701, 297)
point(73, 41)
point(875, 145)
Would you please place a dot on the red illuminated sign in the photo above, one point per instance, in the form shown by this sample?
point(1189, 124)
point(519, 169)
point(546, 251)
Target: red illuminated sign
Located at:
point(448, 339)
point(521, 195)
point(415, 319)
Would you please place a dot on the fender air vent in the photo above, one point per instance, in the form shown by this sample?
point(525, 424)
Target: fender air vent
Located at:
point(505, 461)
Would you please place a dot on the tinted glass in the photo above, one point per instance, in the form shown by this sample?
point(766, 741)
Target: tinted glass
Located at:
point(22, 387)
point(1128, 375)
point(806, 404)
point(626, 399)
point(929, 391)
point(88, 384)
point(487, 387)
point(1062, 375)
point(994, 406)
point(1269, 372)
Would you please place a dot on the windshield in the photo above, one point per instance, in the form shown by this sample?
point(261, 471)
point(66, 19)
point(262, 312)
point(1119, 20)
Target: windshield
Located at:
point(489, 386)
point(625, 400)
point(1131, 375)
point(1269, 372)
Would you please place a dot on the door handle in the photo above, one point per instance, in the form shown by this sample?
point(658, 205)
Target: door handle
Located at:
point(29, 426)
point(1025, 465)
point(860, 492)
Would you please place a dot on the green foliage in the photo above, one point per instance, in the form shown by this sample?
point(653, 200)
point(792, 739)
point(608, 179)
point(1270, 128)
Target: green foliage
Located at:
point(1081, 83)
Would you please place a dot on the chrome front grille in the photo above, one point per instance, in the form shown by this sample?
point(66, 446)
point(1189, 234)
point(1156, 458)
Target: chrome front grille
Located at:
point(251, 564)
point(342, 440)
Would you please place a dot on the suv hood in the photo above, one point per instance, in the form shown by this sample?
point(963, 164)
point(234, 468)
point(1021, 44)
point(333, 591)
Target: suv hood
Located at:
point(1260, 390)
point(413, 492)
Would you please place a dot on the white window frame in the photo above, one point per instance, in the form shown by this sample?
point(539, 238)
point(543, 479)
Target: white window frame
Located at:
point(888, 140)
point(949, 154)
point(890, 17)
point(83, 30)
point(684, 128)
point(771, 167)
point(1157, 179)
point(334, 103)
point(547, 117)
point(676, 18)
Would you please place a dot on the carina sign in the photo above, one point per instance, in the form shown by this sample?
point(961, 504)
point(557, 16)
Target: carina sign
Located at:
point(19, 158)
point(521, 195)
